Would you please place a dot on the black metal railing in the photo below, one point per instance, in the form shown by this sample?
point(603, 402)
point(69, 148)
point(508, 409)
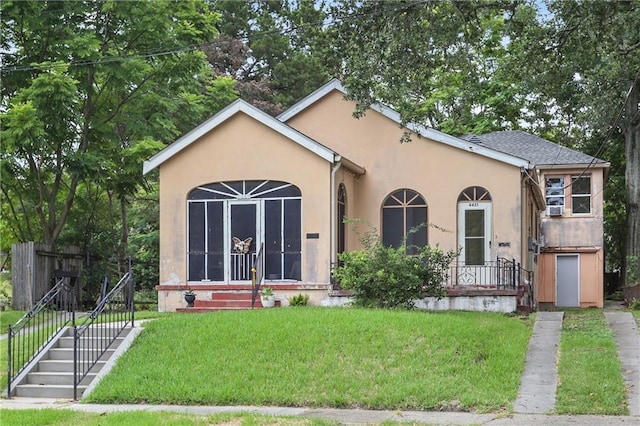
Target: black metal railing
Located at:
point(101, 327)
point(257, 274)
point(28, 337)
point(503, 274)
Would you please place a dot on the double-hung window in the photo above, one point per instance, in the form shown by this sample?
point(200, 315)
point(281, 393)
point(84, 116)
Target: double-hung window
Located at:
point(581, 194)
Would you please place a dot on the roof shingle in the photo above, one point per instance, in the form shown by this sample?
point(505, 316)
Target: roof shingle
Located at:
point(535, 149)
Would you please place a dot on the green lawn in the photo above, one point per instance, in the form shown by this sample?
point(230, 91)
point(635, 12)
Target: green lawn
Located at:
point(8, 318)
point(374, 359)
point(53, 417)
point(589, 376)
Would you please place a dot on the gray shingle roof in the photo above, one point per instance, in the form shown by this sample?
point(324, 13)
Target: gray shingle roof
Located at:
point(536, 150)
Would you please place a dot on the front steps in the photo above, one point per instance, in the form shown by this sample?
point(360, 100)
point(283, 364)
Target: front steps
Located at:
point(52, 375)
point(222, 300)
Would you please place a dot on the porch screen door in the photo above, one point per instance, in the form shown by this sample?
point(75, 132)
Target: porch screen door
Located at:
point(244, 238)
point(474, 240)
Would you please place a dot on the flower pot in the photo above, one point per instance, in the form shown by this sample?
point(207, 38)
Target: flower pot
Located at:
point(268, 301)
point(189, 298)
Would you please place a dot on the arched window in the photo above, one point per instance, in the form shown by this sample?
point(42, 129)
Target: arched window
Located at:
point(228, 223)
point(342, 214)
point(402, 211)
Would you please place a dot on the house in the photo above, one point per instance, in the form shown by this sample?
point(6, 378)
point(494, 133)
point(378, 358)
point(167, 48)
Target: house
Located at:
point(244, 189)
point(570, 266)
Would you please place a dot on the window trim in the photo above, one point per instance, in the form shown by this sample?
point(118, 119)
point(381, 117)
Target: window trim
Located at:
point(404, 203)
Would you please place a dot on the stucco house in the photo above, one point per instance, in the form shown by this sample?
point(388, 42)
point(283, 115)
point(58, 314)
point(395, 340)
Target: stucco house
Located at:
point(244, 189)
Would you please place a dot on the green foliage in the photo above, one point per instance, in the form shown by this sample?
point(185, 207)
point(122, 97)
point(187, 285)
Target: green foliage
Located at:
point(633, 270)
point(634, 304)
point(388, 277)
point(266, 291)
point(5, 293)
point(299, 300)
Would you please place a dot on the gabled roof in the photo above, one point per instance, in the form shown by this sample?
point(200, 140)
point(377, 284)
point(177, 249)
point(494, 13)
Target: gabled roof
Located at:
point(420, 130)
point(537, 150)
point(219, 118)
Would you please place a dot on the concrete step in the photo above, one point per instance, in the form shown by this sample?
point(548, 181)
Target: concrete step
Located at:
point(67, 342)
point(42, 378)
point(87, 353)
point(63, 366)
point(227, 303)
point(232, 295)
point(99, 330)
point(48, 391)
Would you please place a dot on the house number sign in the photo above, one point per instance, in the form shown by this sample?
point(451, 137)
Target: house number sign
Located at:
point(474, 204)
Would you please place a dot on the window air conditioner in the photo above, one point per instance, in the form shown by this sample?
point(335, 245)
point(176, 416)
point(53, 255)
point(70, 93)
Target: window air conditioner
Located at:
point(555, 210)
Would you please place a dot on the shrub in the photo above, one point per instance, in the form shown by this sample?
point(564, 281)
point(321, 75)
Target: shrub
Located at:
point(387, 277)
point(5, 293)
point(299, 300)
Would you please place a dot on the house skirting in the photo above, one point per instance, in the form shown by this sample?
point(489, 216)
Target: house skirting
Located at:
point(474, 300)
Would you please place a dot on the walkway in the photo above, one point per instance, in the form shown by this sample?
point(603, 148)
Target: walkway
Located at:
point(628, 342)
point(537, 393)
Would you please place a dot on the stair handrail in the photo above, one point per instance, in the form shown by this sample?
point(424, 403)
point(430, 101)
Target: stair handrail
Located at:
point(108, 319)
point(30, 335)
point(257, 274)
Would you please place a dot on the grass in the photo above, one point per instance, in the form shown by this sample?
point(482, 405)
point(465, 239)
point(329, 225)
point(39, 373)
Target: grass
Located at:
point(636, 314)
point(374, 359)
point(8, 318)
point(54, 417)
point(589, 375)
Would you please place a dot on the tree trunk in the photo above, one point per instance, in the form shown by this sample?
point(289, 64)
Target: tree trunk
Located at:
point(632, 175)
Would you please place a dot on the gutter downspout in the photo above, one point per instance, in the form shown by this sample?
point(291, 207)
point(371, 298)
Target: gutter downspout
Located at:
point(332, 221)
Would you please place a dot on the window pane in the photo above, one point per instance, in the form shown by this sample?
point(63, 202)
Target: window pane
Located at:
point(292, 266)
point(273, 239)
point(474, 251)
point(292, 226)
point(416, 216)
point(196, 227)
point(474, 223)
point(581, 204)
point(196, 267)
point(555, 186)
point(392, 226)
point(581, 185)
point(215, 241)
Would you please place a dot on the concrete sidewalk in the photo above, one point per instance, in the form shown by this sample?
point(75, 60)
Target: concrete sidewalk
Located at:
point(536, 395)
point(341, 416)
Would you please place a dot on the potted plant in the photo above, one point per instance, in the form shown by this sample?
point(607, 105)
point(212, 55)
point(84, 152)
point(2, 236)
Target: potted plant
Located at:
point(189, 297)
point(267, 298)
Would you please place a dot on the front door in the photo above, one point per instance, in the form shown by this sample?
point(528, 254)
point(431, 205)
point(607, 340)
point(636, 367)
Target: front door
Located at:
point(244, 239)
point(568, 280)
point(474, 241)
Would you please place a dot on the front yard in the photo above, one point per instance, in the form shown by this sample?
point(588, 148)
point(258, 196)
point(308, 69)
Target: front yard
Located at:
point(353, 358)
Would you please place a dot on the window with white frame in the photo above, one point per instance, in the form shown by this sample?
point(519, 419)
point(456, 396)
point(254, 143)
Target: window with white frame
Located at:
point(555, 191)
point(403, 212)
point(575, 196)
point(581, 194)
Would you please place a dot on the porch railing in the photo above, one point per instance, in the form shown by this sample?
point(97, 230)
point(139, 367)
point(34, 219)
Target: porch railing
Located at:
point(28, 337)
point(257, 274)
point(101, 327)
point(502, 274)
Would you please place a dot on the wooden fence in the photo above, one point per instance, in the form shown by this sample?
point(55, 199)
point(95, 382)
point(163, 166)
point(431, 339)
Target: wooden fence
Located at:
point(33, 271)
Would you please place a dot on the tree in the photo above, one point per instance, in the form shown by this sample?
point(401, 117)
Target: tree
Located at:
point(278, 50)
point(437, 63)
point(90, 89)
point(594, 48)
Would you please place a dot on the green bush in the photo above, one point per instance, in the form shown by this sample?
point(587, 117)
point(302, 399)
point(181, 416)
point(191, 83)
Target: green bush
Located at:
point(299, 300)
point(5, 293)
point(387, 277)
